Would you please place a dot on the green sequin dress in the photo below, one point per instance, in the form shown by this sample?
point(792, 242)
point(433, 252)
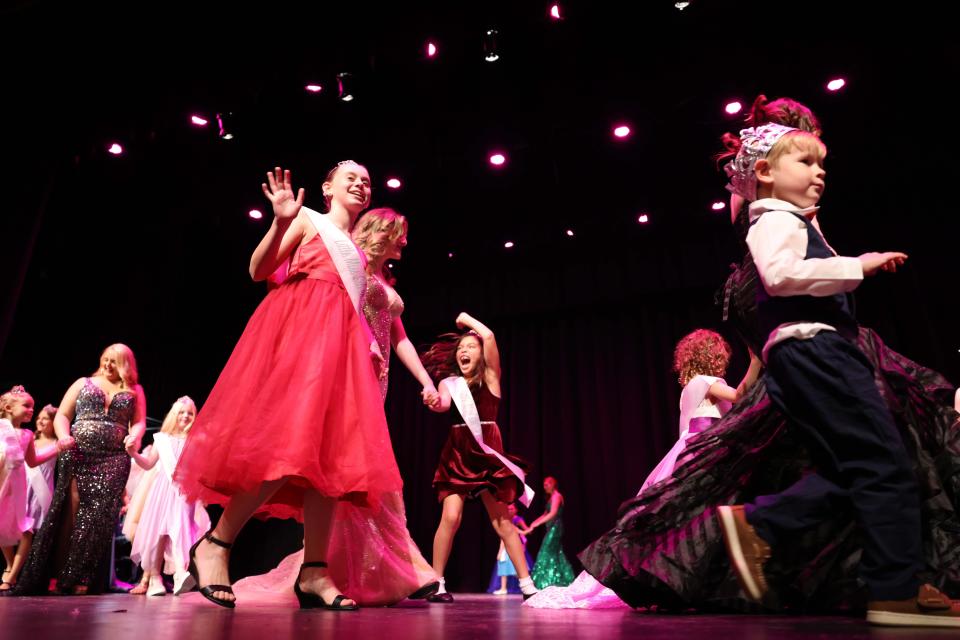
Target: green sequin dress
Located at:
point(552, 567)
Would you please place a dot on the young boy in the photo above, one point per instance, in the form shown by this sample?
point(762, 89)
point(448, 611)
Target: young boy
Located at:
point(824, 385)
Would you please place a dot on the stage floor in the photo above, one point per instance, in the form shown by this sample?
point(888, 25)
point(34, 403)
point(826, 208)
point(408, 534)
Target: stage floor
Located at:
point(471, 617)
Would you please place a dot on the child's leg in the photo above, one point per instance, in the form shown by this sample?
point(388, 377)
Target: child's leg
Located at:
point(825, 386)
point(20, 557)
point(503, 525)
point(503, 583)
point(446, 530)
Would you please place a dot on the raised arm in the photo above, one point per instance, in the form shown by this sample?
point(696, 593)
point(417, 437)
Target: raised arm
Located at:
point(285, 232)
point(491, 354)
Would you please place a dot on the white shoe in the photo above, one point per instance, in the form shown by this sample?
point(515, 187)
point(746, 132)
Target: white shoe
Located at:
point(183, 582)
point(156, 587)
point(500, 592)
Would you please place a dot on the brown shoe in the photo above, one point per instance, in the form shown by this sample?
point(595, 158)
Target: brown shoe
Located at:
point(930, 608)
point(747, 551)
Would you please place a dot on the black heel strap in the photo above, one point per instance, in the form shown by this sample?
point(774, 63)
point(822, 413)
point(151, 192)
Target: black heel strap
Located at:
point(320, 564)
point(217, 541)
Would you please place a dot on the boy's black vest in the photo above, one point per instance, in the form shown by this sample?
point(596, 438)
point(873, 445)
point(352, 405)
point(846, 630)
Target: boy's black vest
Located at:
point(836, 310)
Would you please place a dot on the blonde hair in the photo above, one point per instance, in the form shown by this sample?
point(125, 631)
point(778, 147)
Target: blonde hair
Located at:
point(16, 394)
point(797, 141)
point(170, 421)
point(701, 353)
point(126, 364)
point(375, 221)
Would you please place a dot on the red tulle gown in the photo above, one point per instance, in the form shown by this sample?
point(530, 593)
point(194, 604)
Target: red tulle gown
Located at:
point(297, 399)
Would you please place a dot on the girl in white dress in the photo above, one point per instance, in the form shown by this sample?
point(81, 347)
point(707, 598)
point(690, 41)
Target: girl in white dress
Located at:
point(169, 524)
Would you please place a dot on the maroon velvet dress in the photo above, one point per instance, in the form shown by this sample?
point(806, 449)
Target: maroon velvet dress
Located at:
point(465, 469)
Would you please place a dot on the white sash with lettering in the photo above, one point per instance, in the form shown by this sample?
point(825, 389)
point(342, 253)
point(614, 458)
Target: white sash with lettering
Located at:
point(40, 488)
point(345, 256)
point(461, 396)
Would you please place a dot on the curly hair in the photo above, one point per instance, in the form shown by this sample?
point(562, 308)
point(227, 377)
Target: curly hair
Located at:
point(701, 352)
point(16, 393)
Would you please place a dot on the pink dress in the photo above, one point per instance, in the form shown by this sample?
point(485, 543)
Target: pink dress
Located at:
point(297, 399)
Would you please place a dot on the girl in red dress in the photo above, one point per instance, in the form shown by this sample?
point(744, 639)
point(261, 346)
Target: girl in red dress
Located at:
point(295, 422)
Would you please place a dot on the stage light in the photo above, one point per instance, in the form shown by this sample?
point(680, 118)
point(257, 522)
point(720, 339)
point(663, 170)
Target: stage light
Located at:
point(490, 53)
point(345, 86)
point(225, 125)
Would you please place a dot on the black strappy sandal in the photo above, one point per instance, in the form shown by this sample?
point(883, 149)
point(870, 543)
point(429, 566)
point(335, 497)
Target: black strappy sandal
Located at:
point(208, 591)
point(313, 600)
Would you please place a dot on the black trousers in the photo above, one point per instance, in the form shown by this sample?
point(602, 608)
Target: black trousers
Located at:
point(825, 387)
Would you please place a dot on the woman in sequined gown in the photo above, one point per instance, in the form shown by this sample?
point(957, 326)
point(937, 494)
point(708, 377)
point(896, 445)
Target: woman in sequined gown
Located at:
point(366, 538)
point(102, 413)
point(551, 567)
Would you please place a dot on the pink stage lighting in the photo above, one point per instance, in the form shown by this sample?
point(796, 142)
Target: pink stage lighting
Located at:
point(508, 245)
point(115, 149)
point(643, 218)
point(314, 88)
point(718, 206)
point(431, 50)
point(555, 12)
point(836, 84)
point(570, 232)
point(733, 108)
point(497, 159)
point(394, 183)
point(255, 214)
point(197, 120)
point(621, 131)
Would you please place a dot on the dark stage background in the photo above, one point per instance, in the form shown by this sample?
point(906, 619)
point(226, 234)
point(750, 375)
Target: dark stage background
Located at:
point(151, 248)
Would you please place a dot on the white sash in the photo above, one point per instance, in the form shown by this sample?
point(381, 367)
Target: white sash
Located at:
point(168, 460)
point(345, 256)
point(461, 396)
point(39, 486)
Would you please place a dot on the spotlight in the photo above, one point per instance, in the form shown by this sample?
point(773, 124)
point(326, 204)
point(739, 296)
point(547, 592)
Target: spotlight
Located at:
point(198, 120)
point(314, 88)
point(497, 159)
point(733, 108)
point(115, 149)
point(836, 84)
point(490, 53)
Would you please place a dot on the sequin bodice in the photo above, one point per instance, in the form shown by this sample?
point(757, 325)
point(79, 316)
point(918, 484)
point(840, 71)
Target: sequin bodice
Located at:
point(380, 306)
point(94, 417)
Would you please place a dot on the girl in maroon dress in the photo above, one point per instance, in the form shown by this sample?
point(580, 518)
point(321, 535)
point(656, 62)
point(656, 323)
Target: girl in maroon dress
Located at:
point(472, 463)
